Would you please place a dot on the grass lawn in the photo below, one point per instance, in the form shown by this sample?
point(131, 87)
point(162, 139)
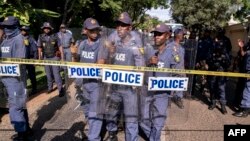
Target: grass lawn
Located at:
point(40, 79)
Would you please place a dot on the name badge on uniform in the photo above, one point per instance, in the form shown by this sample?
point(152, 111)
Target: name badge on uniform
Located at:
point(9, 70)
point(84, 72)
point(177, 58)
point(26, 42)
point(167, 83)
point(53, 42)
point(122, 77)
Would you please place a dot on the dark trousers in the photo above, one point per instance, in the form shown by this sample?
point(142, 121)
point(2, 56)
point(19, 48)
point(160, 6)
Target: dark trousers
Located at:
point(217, 88)
point(32, 75)
point(239, 91)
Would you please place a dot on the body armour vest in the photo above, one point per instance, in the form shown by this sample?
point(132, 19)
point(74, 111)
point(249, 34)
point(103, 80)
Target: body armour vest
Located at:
point(49, 45)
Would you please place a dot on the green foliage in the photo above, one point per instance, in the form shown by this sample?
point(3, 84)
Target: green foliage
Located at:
point(149, 23)
point(138, 8)
point(115, 6)
point(23, 10)
point(244, 10)
point(73, 12)
point(197, 14)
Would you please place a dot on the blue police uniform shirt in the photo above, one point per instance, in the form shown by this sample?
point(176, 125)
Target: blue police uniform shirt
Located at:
point(13, 47)
point(65, 38)
point(91, 53)
point(113, 37)
point(163, 57)
point(129, 54)
point(31, 47)
point(176, 51)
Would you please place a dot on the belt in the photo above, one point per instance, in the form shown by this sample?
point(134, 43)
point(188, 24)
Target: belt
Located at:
point(121, 87)
point(90, 80)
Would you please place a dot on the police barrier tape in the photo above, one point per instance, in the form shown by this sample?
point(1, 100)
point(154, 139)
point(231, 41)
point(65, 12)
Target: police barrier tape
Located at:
point(120, 67)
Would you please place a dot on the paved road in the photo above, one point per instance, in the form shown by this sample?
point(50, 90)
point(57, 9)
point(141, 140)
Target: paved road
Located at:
point(54, 118)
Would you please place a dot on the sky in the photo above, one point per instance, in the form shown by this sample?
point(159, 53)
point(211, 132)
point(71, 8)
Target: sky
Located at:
point(162, 14)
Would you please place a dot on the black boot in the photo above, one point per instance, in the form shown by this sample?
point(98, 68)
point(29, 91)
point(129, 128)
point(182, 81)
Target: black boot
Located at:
point(112, 137)
point(21, 136)
point(242, 113)
point(179, 103)
point(61, 92)
point(223, 109)
point(213, 105)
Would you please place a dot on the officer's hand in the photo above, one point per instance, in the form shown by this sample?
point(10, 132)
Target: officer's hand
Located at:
point(197, 65)
point(110, 46)
point(206, 66)
point(240, 43)
point(112, 49)
point(153, 60)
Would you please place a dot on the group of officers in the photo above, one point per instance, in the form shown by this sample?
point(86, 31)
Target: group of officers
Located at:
point(122, 47)
point(138, 106)
point(215, 55)
point(104, 102)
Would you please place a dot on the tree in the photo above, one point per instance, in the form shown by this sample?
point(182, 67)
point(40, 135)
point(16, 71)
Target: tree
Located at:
point(149, 23)
point(244, 10)
point(73, 12)
point(138, 8)
point(107, 10)
point(197, 14)
point(23, 10)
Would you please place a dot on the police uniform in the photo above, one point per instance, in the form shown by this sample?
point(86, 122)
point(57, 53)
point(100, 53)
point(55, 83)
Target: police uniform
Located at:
point(13, 47)
point(204, 44)
point(50, 46)
point(66, 40)
point(127, 54)
point(91, 52)
point(114, 38)
point(245, 102)
point(31, 53)
point(177, 59)
point(218, 60)
point(154, 103)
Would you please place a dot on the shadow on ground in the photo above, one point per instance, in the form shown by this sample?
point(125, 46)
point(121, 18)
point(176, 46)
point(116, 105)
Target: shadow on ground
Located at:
point(75, 133)
point(45, 114)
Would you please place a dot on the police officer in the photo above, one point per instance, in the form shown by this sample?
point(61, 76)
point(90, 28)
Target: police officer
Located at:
point(224, 41)
point(114, 38)
point(49, 48)
point(218, 60)
point(67, 41)
point(78, 42)
point(13, 47)
point(31, 53)
point(245, 102)
point(91, 93)
point(178, 62)
point(204, 45)
point(240, 65)
point(154, 103)
point(126, 96)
